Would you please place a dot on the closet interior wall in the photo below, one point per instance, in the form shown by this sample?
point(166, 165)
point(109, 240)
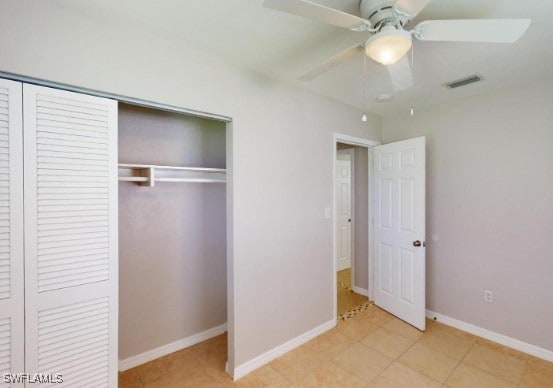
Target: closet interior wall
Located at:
point(172, 237)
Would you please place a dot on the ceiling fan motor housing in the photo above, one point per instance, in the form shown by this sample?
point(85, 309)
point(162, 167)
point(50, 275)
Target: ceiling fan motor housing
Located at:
point(380, 13)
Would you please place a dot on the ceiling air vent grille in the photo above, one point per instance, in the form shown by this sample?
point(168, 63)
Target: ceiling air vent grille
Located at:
point(463, 82)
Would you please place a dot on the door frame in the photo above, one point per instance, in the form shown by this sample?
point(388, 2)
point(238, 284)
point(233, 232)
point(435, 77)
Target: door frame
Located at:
point(362, 142)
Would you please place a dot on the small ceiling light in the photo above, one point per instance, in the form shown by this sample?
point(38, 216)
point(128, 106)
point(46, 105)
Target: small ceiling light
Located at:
point(412, 112)
point(364, 117)
point(388, 46)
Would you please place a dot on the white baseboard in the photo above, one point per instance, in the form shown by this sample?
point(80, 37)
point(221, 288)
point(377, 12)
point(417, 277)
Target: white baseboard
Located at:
point(492, 336)
point(164, 350)
point(360, 291)
point(278, 351)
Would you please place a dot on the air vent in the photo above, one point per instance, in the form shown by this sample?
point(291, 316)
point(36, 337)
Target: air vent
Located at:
point(463, 82)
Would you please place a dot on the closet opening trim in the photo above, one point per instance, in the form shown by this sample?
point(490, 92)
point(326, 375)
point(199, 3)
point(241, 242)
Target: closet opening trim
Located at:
point(113, 96)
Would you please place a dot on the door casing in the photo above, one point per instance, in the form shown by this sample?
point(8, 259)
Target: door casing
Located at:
point(354, 141)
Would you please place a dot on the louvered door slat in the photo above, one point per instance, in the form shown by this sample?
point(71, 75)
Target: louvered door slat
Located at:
point(80, 240)
point(89, 117)
point(71, 102)
point(90, 149)
point(59, 142)
point(73, 257)
point(6, 357)
point(71, 236)
point(67, 106)
point(79, 126)
point(58, 132)
point(71, 162)
point(76, 231)
point(11, 230)
point(75, 334)
point(67, 227)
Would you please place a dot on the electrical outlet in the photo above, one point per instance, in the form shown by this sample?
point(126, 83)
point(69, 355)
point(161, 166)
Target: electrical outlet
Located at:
point(488, 296)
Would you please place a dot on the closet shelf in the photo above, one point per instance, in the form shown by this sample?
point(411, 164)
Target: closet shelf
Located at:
point(149, 174)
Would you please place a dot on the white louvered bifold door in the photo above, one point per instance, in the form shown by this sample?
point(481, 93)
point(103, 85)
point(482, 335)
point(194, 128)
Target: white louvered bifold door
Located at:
point(71, 273)
point(11, 231)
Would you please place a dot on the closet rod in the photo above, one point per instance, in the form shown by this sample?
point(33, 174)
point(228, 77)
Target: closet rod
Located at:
point(133, 179)
point(148, 175)
point(195, 180)
point(178, 168)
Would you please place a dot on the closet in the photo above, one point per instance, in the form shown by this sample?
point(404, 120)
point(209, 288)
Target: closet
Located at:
point(172, 232)
point(63, 306)
point(58, 234)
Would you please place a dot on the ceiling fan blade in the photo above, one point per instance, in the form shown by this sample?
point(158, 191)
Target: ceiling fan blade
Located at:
point(472, 30)
point(410, 8)
point(401, 74)
point(318, 12)
point(329, 64)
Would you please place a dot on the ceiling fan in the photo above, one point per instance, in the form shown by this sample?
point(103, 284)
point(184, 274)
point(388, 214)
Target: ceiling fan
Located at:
point(389, 41)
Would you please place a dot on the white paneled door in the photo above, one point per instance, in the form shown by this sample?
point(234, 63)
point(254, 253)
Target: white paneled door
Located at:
point(11, 230)
point(343, 214)
point(399, 229)
point(71, 273)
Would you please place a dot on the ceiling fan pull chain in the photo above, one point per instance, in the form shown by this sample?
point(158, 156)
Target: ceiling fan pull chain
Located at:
point(413, 58)
point(364, 81)
point(364, 117)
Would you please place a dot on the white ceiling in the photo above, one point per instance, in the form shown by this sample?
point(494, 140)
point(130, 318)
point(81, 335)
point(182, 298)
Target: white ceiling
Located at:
point(284, 46)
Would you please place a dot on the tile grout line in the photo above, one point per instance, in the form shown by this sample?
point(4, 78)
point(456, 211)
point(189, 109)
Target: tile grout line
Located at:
point(138, 377)
point(409, 348)
point(462, 359)
point(385, 369)
point(393, 332)
point(417, 341)
point(487, 372)
point(458, 363)
point(280, 374)
point(359, 341)
point(284, 377)
point(393, 359)
point(346, 371)
point(523, 370)
point(350, 314)
point(453, 370)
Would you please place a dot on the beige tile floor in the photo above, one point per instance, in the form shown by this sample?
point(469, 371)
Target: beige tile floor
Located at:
point(371, 349)
point(347, 299)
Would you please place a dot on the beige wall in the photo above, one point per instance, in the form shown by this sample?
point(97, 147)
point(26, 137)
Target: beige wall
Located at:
point(172, 237)
point(490, 202)
point(281, 278)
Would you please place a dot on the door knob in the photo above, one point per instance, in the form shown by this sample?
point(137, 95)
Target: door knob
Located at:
point(417, 243)
point(349, 220)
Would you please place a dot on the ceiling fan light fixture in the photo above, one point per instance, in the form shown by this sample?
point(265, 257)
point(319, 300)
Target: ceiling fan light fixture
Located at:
point(388, 46)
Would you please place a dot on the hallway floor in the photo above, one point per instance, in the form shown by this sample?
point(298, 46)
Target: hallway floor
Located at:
point(347, 299)
point(370, 349)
